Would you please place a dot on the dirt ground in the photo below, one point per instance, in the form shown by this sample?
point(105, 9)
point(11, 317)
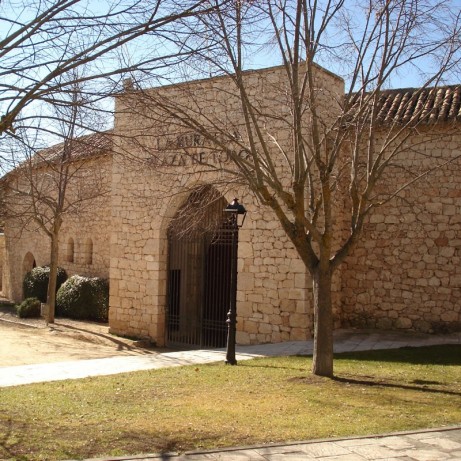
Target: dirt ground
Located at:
point(33, 342)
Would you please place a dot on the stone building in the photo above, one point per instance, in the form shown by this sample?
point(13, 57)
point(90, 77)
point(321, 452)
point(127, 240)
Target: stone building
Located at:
point(83, 247)
point(405, 271)
point(2, 255)
point(160, 234)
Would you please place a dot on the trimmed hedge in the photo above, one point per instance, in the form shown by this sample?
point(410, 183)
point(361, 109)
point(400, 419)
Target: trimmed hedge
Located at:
point(83, 298)
point(35, 283)
point(29, 308)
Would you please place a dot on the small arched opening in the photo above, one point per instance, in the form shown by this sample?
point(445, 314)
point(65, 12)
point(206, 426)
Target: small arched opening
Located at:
point(70, 250)
point(88, 251)
point(28, 263)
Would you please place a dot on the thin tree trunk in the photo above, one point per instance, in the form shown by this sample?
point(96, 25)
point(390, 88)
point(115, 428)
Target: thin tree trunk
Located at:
point(51, 295)
point(323, 325)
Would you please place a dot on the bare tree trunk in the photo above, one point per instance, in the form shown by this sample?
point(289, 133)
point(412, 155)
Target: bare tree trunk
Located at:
point(323, 324)
point(51, 295)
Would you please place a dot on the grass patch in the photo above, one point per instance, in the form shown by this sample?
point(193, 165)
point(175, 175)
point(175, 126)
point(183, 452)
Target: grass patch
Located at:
point(208, 406)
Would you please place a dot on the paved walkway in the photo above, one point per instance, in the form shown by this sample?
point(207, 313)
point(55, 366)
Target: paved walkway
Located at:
point(433, 445)
point(345, 341)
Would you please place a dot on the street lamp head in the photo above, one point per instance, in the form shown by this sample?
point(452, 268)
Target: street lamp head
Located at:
point(239, 210)
point(235, 205)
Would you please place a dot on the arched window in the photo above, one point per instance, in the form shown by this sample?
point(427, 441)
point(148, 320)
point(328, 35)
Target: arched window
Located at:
point(70, 250)
point(89, 251)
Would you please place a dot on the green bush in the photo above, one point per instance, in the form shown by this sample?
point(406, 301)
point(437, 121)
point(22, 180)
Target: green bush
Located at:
point(7, 306)
point(83, 298)
point(35, 283)
point(29, 308)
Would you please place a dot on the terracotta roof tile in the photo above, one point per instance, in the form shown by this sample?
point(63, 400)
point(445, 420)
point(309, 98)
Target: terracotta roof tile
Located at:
point(420, 105)
point(84, 146)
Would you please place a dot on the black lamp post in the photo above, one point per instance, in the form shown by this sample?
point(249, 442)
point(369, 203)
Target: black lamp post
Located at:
point(237, 214)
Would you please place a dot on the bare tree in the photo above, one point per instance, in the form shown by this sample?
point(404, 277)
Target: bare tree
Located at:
point(310, 150)
point(58, 182)
point(59, 63)
point(43, 42)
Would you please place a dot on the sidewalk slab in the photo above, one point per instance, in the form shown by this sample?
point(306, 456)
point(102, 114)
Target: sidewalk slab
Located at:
point(345, 341)
point(426, 445)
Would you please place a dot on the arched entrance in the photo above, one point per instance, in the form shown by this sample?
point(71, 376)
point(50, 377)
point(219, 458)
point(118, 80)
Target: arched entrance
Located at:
point(199, 272)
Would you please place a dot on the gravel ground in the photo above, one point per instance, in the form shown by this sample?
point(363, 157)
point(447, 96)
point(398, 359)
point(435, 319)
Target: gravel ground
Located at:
point(29, 341)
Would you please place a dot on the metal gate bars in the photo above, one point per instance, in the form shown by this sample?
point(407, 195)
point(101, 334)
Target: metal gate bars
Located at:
point(199, 275)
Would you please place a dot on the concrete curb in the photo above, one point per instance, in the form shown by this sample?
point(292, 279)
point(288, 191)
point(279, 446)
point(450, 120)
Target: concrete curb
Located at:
point(204, 453)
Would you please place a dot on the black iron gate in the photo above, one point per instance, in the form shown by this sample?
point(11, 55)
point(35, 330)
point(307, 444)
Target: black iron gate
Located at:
point(199, 279)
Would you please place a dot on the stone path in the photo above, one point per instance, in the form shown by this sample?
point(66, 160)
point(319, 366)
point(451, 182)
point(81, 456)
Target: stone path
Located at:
point(431, 445)
point(345, 341)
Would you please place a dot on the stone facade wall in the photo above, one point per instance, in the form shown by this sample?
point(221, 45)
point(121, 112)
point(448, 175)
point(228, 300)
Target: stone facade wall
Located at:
point(2, 259)
point(405, 272)
point(90, 229)
point(153, 176)
point(22, 250)
point(271, 285)
point(27, 245)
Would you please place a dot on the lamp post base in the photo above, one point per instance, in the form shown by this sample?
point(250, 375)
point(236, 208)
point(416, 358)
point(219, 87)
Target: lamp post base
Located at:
point(230, 348)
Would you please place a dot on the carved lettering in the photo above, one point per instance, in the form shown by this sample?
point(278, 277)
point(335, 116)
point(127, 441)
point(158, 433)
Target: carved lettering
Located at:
point(198, 157)
point(182, 150)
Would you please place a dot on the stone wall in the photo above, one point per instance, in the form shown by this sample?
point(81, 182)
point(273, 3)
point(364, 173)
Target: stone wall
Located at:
point(2, 259)
point(90, 227)
point(27, 245)
point(155, 169)
point(405, 273)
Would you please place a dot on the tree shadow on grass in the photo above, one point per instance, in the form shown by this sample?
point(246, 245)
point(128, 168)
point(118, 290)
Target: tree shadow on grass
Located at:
point(418, 384)
point(446, 354)
point(10, 442)
point(142, 442)
point(257, 364)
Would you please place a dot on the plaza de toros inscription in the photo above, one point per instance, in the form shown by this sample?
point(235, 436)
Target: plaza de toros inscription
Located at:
point(191, 148)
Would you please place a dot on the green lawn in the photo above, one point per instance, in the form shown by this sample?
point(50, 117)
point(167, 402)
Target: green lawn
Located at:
point(207, 406)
